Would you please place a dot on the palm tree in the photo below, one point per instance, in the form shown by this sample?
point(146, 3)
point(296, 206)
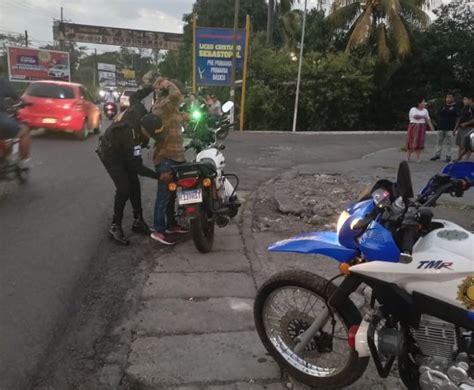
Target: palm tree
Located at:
point(380, 22)
point(276, 8)
point(292, 23)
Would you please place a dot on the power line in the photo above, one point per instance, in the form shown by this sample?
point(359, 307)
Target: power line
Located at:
point(37, 12)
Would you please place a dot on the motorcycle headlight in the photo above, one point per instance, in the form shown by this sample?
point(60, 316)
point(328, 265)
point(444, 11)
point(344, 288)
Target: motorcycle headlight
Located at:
point(196, 115)
point(342, 219)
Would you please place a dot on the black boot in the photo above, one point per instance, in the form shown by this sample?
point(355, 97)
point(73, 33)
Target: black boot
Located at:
point(116, 233)
point(140, 226)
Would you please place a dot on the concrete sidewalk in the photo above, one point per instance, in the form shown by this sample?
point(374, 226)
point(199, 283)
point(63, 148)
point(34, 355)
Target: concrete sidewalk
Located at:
point(195, 326)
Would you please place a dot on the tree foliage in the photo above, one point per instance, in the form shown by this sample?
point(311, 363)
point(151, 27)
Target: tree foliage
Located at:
point(385, 24)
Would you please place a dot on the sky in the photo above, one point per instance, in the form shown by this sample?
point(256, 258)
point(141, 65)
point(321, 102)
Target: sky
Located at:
point(36, 16)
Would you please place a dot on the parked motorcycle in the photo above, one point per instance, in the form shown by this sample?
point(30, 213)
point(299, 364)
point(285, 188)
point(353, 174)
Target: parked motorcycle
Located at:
point(10, 168)
point(407, 292)
point(206, 196)
point(110, 110)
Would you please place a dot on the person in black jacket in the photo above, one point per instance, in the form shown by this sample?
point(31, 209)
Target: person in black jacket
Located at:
point(120, 150)
point(9, 126)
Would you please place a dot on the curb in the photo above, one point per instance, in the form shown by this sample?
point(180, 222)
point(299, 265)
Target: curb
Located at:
point(362, 132)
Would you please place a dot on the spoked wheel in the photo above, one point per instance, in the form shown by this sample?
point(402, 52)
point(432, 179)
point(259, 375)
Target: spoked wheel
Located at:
point(202, 230)
point(285, 308)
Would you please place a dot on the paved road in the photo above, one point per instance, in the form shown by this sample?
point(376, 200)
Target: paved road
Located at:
point(52, 227)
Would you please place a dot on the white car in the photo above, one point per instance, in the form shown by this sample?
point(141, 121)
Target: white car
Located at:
point(125, 98)
point(59, 71)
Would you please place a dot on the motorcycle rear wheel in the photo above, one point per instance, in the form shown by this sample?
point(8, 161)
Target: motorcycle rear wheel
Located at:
point(277, 333)
point(202, 231)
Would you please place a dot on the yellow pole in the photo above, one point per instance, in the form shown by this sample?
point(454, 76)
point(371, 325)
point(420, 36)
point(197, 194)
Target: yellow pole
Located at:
point(244, 76)
point(194, 53)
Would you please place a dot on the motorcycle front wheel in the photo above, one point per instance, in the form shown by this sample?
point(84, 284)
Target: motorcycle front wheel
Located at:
point(285, 307)
point(202, 231)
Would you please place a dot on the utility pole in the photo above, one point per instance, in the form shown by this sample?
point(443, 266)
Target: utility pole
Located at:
point(298, 80)
point(234, 59)
point(94, 72)
point(61, 32)
point(26, 38)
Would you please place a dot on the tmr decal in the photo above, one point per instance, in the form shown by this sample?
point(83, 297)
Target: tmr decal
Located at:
point(435, 264)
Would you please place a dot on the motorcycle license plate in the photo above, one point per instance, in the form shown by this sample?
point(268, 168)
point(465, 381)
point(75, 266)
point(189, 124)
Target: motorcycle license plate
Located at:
point(190, 196)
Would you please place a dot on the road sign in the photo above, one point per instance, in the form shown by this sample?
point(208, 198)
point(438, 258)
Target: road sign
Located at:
point(29, 64)
point(117, 36)
point(214, 52)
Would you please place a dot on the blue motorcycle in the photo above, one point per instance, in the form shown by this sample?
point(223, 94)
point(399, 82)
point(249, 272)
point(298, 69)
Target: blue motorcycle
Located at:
point(407, 292)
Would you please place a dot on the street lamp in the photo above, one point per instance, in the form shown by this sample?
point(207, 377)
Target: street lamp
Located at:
point(298, 80)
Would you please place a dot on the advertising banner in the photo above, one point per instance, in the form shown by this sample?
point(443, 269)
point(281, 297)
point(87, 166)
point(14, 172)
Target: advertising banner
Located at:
point(107, 75)
point(214, 52)
point(29, 64)
point(117, 36)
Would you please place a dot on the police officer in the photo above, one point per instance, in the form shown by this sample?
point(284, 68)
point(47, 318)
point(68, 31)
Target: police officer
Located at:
point(120, 150)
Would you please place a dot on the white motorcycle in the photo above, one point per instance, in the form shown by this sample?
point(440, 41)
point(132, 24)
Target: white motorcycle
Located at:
point(407, 293)
point(206, 196)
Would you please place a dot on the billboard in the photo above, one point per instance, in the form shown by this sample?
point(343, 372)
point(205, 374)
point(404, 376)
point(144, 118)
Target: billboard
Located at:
point(117, 36)
point(29, 64)
point(214, 52)
point(107, 75)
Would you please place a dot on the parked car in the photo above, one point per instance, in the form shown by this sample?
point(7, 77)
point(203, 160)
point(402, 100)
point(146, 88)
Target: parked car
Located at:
point(125, 98)
point(59, 71)
point(61, 106)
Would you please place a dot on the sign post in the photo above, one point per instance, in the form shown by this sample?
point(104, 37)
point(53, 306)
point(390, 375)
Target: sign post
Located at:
point(194, 54)
point(244, 78)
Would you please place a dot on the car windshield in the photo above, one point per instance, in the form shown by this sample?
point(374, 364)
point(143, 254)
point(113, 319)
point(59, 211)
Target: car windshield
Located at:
point(128, 93)
point(50, 91)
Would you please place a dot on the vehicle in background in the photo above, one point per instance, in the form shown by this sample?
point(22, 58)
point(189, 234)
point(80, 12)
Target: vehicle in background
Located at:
point(61, 106)
point(110, 110)
point(125, 98)
point(59, 71)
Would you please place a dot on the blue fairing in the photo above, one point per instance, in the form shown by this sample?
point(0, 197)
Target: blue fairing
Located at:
point(458, 170)
point(347, 235)
point(322, 243)
point(377, 243)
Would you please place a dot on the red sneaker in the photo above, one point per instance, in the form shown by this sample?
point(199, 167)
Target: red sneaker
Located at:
point(176, 230)
point(160, 237)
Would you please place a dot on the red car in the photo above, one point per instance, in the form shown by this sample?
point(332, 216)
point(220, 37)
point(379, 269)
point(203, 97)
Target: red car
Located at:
point(61, 106)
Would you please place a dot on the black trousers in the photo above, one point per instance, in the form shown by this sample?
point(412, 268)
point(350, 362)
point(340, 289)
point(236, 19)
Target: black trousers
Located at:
point(127, 186)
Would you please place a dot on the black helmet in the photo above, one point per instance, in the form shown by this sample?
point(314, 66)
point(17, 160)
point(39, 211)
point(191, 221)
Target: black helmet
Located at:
point(153, 125)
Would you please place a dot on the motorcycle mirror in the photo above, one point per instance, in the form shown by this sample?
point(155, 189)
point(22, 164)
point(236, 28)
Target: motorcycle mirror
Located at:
point(404, 184)
point(227, 107)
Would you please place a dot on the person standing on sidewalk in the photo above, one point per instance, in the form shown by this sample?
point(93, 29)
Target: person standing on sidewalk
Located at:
point(448, 115)
point(169, 152)
point(464, 126)
point(419, 122)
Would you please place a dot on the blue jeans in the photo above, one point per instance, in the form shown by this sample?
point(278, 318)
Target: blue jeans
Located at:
point(165, 200)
